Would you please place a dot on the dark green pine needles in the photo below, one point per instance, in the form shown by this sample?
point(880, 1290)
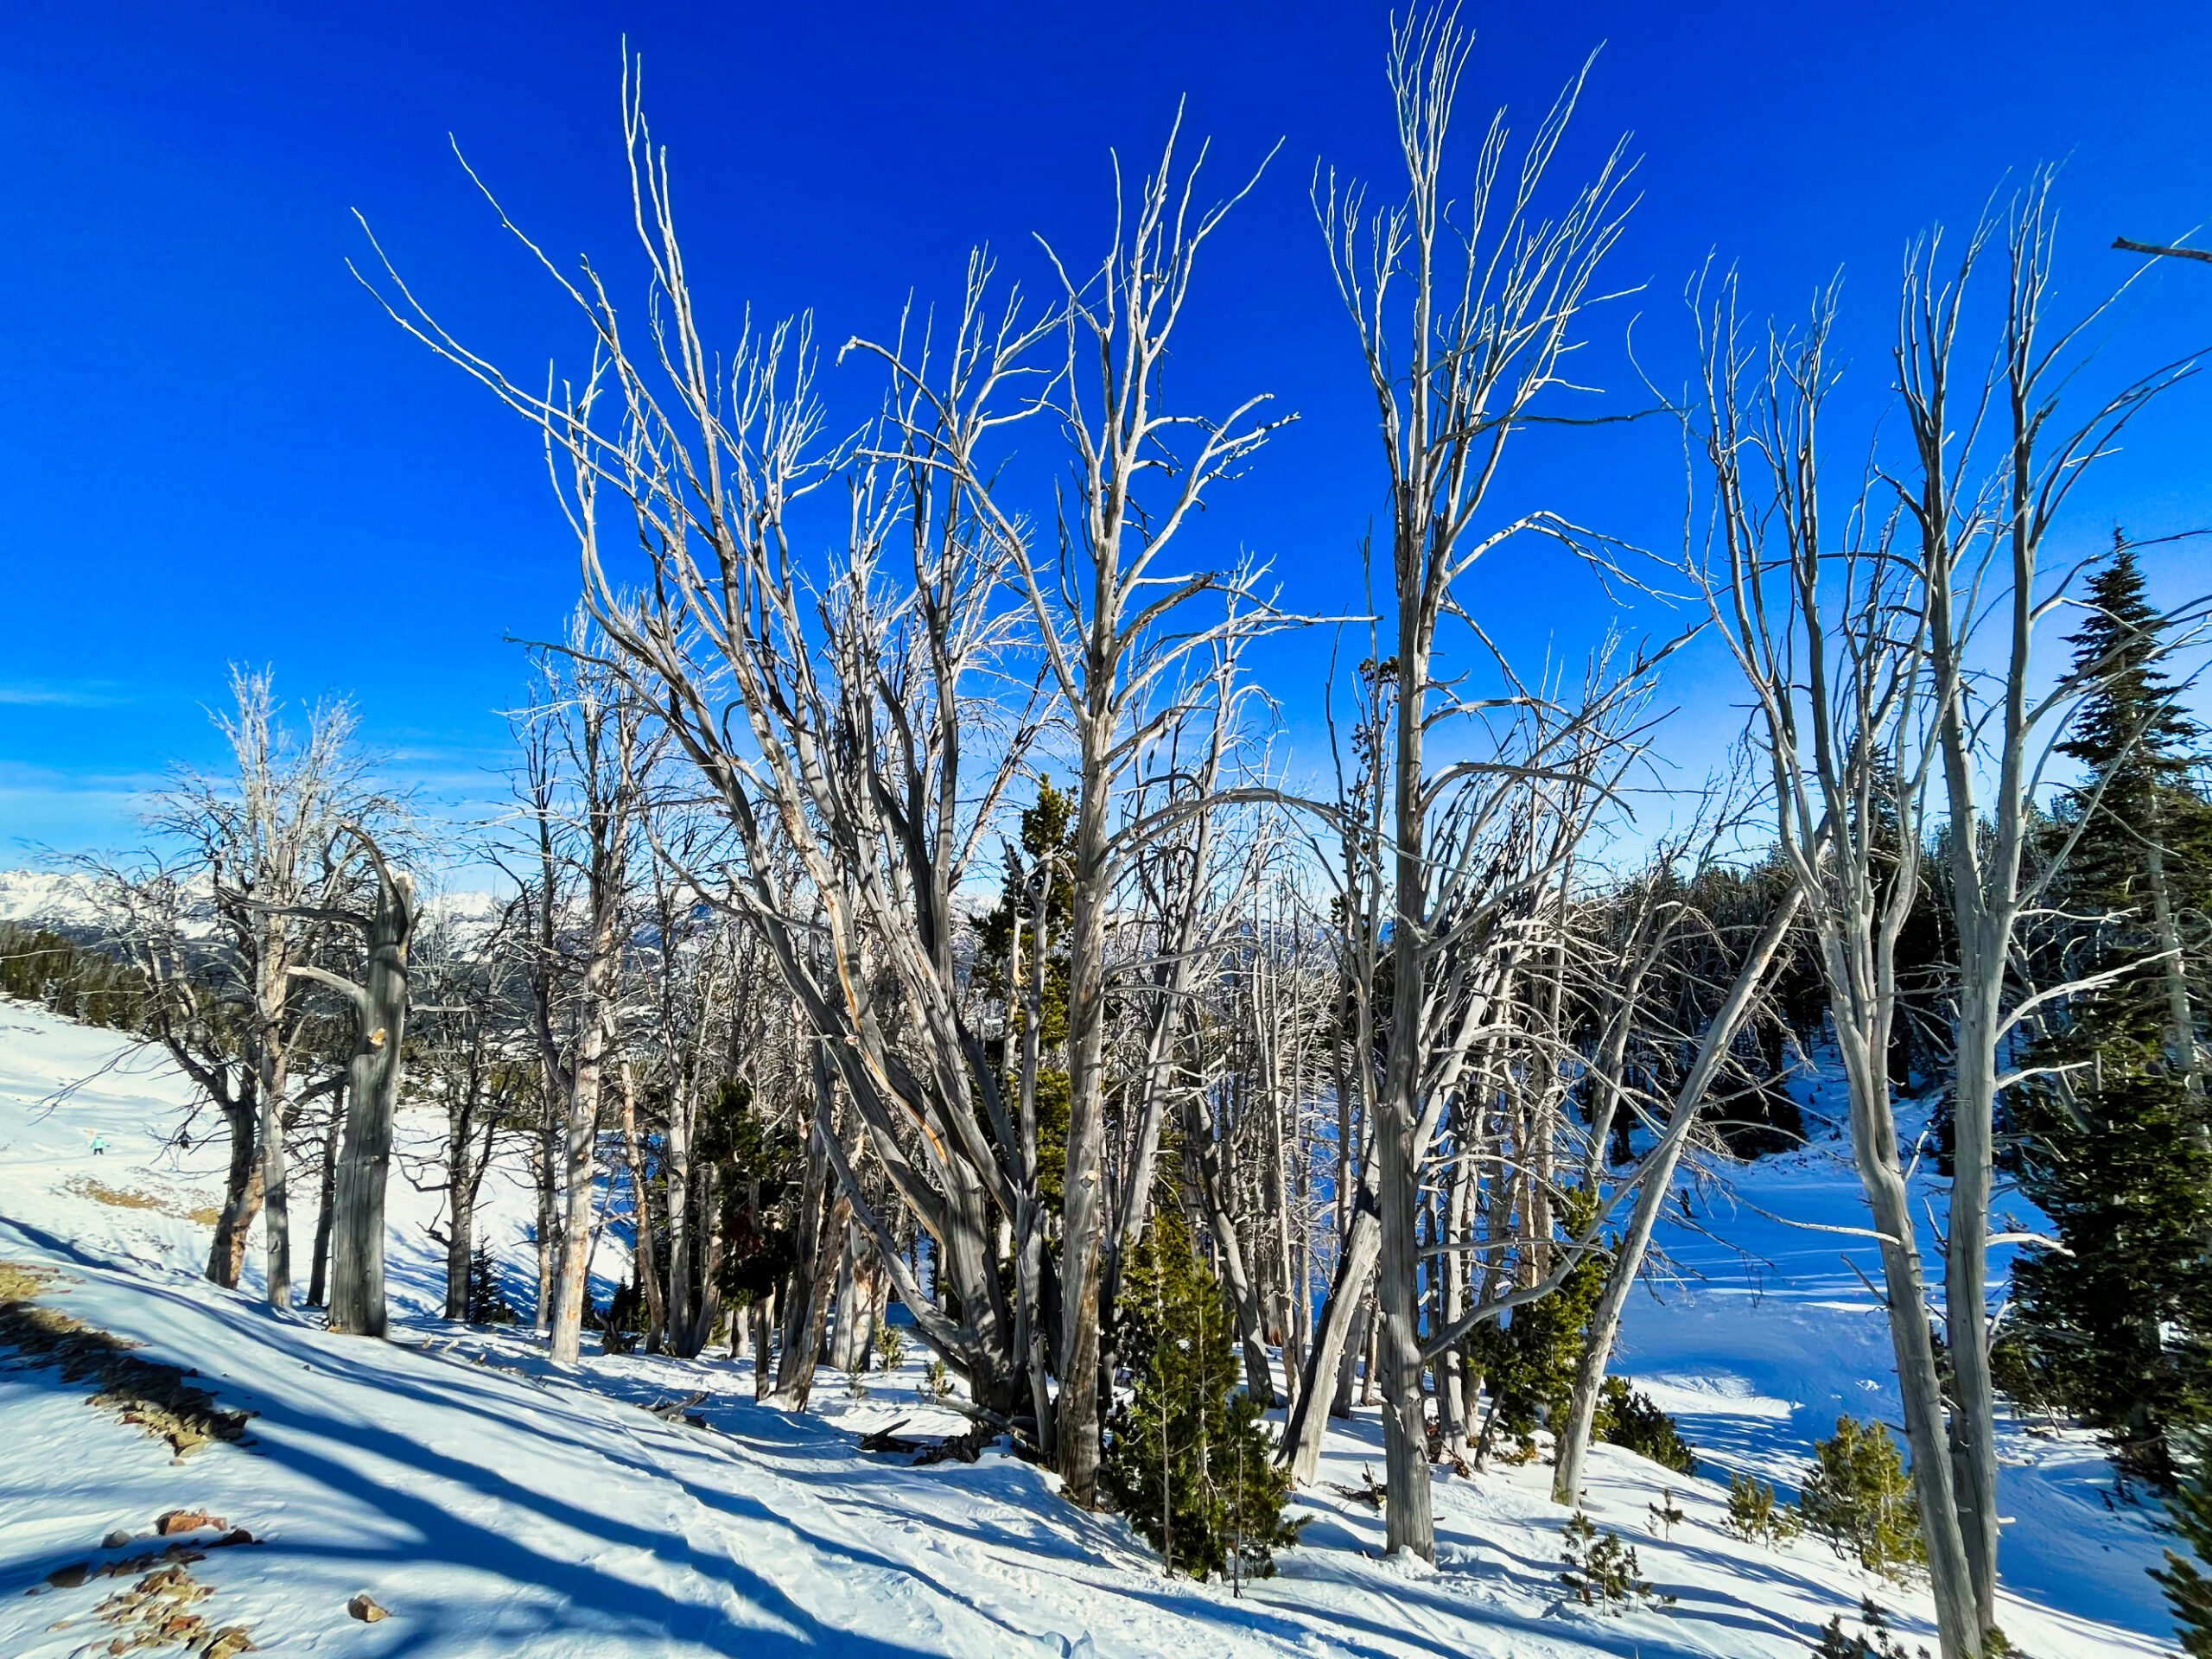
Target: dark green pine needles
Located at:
point(2112, 1140)
point(1190, 1462)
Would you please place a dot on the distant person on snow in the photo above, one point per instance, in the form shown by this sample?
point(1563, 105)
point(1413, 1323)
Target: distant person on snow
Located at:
point(100, 1145)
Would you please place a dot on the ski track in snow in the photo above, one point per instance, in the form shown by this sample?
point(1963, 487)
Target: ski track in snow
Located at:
point(499, 1508)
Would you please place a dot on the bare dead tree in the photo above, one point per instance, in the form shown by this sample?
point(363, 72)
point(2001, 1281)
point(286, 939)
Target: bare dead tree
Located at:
point(1458, 367)
point(690, 966)
point(254, 840)
point(1117, 621)
point(476, 1061)
point(833, 727)
point(1980, 528)
point(584, 779)
point(153, 914)
point(1828, 629)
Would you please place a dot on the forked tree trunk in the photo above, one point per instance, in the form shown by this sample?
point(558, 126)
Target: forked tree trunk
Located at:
point(821, 1248)
point(1919, 1387)
point(813, 1288)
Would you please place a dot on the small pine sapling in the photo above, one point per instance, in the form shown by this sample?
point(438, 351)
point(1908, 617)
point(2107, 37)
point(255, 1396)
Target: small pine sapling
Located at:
point(1666, 1515)
point(1603, 1572)
point(936, 1382)
point(1755, 1515)
point(1875, 1640)
point(890, 1346)
point(1857, 1496)
point(487, 1303)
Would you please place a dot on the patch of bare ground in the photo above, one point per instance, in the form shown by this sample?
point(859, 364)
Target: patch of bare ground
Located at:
point(125, 1197)
point(144, 1393)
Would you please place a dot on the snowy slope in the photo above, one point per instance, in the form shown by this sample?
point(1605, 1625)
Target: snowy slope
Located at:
point(496, 1508)
point(1763, 1331)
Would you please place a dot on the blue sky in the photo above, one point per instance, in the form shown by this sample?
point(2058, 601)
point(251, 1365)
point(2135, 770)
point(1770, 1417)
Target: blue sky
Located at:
point(214, 447)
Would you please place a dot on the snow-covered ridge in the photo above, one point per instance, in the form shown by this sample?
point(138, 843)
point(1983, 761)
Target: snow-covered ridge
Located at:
point(48, 898)
point(68, 900)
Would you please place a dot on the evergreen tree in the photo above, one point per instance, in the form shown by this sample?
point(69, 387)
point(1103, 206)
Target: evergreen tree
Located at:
point(76, 981)
point(487, 1301)
point(2140, 752)
point(1529, 1359)
point(1047, 830)
point(1630, 1418)
point(2117, 1323)
point(2113, 1143)
point(1858, 1495)
point(2189, 1591)
point(754, 1165)
point(1188, 1459)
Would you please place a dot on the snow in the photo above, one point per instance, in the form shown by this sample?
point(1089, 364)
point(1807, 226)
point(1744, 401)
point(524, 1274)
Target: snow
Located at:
point(46, 898)
point(497, 1508)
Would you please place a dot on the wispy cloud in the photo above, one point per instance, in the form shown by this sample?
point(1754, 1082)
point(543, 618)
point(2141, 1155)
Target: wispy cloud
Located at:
point(61, 693)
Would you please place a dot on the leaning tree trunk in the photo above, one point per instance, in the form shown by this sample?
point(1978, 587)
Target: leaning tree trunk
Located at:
point(356, 1300)
point(823, 1218)
point(241, 1195)
point(1333, 1344)
point(1658, 1175)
